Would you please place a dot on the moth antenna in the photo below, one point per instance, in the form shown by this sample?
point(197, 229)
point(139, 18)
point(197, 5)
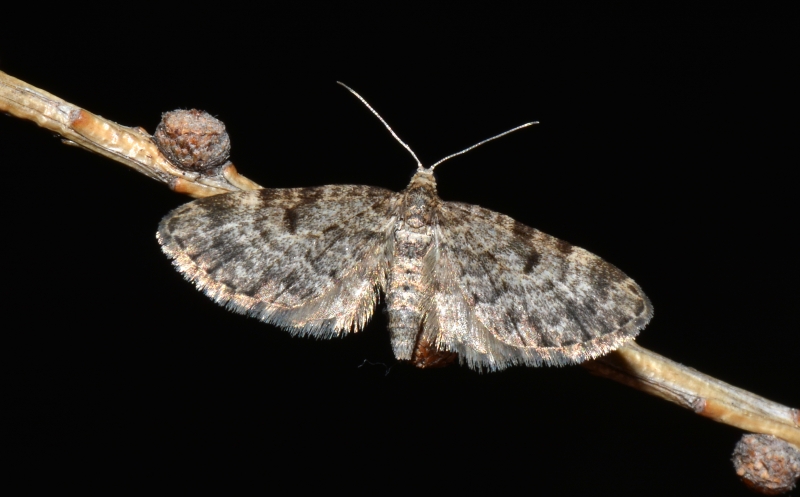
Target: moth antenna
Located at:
point(419, 164)
point(484, 141)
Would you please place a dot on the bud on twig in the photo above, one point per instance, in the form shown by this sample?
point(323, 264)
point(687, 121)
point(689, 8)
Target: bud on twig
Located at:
point(766, 464)
point(193, 140)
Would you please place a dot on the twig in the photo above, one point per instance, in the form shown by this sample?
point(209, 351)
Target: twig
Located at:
point(631, 365)
point(649, 372)
point(133, 147)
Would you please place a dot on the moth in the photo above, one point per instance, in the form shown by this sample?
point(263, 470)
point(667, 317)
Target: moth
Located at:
point(458, 280)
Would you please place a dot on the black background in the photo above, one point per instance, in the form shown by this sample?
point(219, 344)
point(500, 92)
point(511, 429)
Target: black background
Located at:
point(667, 146)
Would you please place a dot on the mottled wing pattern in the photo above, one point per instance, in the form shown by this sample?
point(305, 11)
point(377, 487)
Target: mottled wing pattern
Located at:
point(309, 259)
point(508, 294)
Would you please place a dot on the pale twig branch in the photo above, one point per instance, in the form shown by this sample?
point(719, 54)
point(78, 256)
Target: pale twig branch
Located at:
point(649, 372)
point(133, 147)
point(631, 365)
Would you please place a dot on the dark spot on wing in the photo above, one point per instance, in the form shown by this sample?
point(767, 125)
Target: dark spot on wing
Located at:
point(633, 289)
point(531, 261)
point(290, 218)
point(639, 308)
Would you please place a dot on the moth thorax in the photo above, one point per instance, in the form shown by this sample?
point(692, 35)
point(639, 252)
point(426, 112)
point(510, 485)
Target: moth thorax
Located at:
point(419, 207)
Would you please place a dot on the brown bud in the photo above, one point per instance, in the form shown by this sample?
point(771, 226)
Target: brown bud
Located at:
point(766, 464)
point(193, 140)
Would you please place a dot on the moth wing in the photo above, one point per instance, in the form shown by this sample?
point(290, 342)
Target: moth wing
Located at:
point(509, 294)
point(311, 260)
